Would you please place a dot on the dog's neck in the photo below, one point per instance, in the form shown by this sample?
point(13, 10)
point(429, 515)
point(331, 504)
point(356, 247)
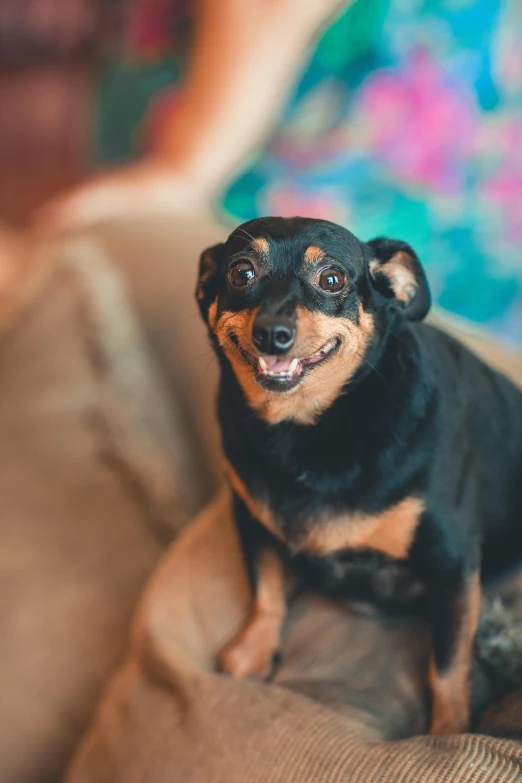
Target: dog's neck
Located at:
point(371, 408)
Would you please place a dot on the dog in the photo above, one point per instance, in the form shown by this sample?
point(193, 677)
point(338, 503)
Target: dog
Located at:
point(368, 452)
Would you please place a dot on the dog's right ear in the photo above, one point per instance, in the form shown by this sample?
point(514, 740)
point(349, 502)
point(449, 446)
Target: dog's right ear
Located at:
point(206, 289)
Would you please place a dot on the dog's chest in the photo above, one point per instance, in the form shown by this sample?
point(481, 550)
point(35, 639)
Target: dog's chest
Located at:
point(389, 532)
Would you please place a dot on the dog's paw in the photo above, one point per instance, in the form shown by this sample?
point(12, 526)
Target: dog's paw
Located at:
point(254, 652)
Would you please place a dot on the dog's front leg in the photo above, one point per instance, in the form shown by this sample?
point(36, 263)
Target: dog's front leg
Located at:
point(454, 599)
point(254, 650)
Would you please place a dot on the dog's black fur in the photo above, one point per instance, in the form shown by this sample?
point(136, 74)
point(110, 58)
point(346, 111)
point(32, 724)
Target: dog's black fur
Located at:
point(420, 417)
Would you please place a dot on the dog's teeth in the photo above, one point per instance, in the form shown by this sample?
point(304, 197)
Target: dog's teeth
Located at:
point(293, 365)
point(263, 364)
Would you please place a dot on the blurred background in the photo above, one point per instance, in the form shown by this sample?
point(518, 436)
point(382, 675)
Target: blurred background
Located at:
point(135, 133)
point(398, 117)
point(50, 55)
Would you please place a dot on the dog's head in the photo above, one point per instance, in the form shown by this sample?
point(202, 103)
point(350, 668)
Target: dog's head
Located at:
point(294, 305)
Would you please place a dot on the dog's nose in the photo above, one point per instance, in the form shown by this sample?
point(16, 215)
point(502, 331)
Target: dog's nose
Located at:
point(273, 334)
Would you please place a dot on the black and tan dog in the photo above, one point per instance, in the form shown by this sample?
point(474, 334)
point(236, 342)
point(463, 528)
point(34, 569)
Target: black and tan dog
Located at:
point(369, 452)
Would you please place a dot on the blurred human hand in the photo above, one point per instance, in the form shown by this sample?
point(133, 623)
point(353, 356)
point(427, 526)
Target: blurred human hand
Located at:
point(138, 189)
point(233, 91)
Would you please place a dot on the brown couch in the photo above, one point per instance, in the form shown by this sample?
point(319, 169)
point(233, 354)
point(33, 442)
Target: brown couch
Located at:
point(343, 707)
point(102, 423)
point(109, 446)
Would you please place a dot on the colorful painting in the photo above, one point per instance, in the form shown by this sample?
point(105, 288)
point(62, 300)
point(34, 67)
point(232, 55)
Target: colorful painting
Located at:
point(407, 123)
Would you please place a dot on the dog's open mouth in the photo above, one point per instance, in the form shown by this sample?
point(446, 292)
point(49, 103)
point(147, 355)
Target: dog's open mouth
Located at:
point(280, 373)
point(282, 367)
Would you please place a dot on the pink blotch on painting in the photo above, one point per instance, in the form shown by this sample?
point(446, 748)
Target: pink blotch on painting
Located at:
point(502, 191)
point(419, 123)
point(288, 201)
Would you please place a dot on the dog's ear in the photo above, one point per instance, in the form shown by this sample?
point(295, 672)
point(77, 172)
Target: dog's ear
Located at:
point(396, 273)
point(206, 289)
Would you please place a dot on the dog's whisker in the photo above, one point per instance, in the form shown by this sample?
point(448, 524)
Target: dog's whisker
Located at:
point(245, 233)
point(398, 338)
point(224, 321)
point(209, 364)
point(373, 367)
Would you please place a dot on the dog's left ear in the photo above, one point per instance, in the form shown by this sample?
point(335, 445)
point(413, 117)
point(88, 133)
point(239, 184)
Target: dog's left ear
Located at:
point(396, 273)
point(206, 289)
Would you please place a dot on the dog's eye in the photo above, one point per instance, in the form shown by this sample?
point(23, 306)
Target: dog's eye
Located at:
point(241, 274)
point(331, 279)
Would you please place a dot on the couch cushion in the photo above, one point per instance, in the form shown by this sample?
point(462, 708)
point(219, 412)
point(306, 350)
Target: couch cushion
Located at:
point(159, 257)
point(93, 483)
point(349, 692)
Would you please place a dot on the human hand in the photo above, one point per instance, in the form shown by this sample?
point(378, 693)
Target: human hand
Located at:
point(138, 189)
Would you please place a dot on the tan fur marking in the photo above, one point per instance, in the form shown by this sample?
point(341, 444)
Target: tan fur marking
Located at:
point(252, 651)
point(212, 314)
point(259, 511)
point(390, 532)
point(451, 690)
point(313, 254)
point(240, 324)
point(399, 273)
point(324, 383)
point(261, 246)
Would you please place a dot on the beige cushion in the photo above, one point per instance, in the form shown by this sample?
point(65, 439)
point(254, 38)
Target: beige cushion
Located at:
point(351, 688)
point(159, 258)
point(96, 475)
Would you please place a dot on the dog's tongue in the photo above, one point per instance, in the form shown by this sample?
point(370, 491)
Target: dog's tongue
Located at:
point(277, 364)
point(281, 365)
